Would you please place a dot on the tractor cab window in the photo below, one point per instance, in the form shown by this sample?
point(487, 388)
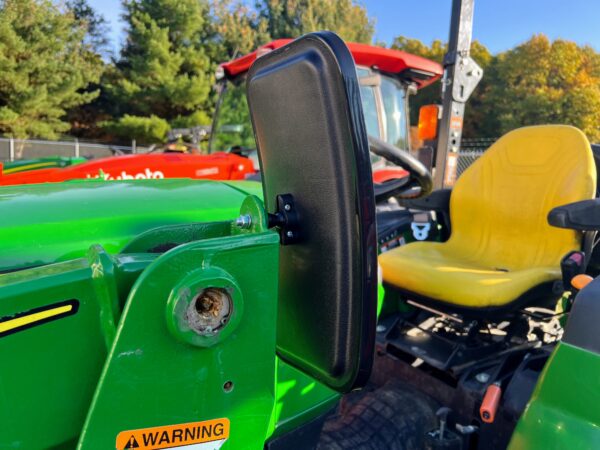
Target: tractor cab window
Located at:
point(384, 105)
point(232, 127)
point(369, 102)
point(395, 120)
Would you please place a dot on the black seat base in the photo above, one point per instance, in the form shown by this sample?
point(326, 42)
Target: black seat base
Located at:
point(459, 337)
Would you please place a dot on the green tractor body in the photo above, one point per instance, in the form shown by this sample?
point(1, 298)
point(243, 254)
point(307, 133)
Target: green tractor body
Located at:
point(65, 294)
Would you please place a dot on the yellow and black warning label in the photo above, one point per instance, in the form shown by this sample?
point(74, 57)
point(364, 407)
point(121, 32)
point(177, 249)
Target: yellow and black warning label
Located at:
point(38, 316)
point(206, 435)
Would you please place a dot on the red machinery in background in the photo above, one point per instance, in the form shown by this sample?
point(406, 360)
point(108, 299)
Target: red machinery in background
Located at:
point(387, 78)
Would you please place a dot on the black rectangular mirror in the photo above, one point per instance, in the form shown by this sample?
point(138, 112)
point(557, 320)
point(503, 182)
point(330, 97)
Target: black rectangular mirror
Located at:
point(306, 112)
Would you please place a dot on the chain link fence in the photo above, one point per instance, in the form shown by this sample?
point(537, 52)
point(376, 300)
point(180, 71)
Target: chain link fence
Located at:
point(470, 150)
point(13, 149)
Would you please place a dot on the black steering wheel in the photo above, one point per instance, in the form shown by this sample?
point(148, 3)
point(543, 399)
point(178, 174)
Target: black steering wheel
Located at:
point(417, 184)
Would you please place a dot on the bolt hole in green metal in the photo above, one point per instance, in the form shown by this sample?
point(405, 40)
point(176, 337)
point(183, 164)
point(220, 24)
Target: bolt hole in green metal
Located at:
point(228, 386)
point(209, 311)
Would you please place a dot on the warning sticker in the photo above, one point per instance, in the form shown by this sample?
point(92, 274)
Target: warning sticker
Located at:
point(207, 435)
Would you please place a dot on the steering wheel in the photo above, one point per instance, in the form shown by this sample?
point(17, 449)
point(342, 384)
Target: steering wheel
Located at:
point(417, 184)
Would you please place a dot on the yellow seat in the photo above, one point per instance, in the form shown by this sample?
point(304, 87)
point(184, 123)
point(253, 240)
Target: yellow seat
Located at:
point(501, 245)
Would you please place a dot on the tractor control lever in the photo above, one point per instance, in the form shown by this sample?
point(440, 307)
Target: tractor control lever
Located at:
point(442, 438)
point(442, 414)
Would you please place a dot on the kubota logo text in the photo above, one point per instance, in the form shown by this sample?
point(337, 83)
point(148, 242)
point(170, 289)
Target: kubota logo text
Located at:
point(147, 174)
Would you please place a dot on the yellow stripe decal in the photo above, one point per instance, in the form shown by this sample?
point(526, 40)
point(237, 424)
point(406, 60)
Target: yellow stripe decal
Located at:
point(37, 316)
point(28, 167)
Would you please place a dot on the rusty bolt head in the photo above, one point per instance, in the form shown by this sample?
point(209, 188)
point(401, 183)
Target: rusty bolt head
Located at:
point(209, 311)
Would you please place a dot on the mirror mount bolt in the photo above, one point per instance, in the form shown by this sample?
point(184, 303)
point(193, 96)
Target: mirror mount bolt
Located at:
point(244, 221)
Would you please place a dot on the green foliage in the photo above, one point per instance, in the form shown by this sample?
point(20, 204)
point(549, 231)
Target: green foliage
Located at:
point(173, 47)
point(236, 30)
point(193, 120)
point(144, 129)
point(97, 28)
point(164, 69)
point(51, 64)
point(537, 82)
point(45, 67)
point(292, 18)
point(543, 82)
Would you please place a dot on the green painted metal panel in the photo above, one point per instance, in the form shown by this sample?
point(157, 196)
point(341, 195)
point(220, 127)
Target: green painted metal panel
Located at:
point(49, 368)
point(299, 398)
point(153, 378)
point(564, 411)
point(60, 221)
point(56, 367)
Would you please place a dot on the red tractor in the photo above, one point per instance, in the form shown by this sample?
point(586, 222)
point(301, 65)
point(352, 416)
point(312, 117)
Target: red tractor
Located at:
point(387, 78)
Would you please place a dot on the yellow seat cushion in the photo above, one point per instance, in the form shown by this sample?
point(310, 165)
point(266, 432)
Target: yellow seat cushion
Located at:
point(501, 244)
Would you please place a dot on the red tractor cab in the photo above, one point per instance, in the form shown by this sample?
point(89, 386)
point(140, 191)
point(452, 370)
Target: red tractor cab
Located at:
point(387, 78)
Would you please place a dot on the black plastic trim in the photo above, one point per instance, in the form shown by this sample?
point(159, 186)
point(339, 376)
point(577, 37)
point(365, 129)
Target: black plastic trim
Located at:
point(581, 216)
point(438, 201)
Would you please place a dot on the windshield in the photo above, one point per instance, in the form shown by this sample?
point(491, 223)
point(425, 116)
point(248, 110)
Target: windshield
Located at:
point(394, 112)
point(384, 108)
point(233, 127)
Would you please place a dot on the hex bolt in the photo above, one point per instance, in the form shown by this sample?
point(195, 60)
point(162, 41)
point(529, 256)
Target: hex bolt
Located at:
point(244, 221)
point(289, 234)
point(287, 207)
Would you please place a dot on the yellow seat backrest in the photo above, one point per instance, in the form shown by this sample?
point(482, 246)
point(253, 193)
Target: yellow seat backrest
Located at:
point(499, 206)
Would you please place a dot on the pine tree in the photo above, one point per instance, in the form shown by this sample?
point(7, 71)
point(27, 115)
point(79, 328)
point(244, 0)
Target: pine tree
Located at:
point(97, 28)
point(84, 118)
point(237, 30)
point(292, 18)
point(45, 67)
point(164, 70)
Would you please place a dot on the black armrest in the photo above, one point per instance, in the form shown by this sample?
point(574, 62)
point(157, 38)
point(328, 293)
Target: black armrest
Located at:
point(582, 216)
point(438, 201)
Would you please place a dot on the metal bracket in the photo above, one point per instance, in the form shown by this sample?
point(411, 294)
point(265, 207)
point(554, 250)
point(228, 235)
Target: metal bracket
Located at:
point(286, 219)
point(467, 76)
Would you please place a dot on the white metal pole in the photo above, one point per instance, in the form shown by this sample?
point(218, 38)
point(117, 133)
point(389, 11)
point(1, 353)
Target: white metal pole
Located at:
point(11, 149)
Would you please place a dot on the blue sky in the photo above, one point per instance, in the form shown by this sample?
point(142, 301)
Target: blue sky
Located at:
point(498, 24)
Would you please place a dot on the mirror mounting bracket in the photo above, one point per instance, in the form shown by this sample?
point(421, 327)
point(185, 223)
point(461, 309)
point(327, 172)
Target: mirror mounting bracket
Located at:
point(286, 219)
